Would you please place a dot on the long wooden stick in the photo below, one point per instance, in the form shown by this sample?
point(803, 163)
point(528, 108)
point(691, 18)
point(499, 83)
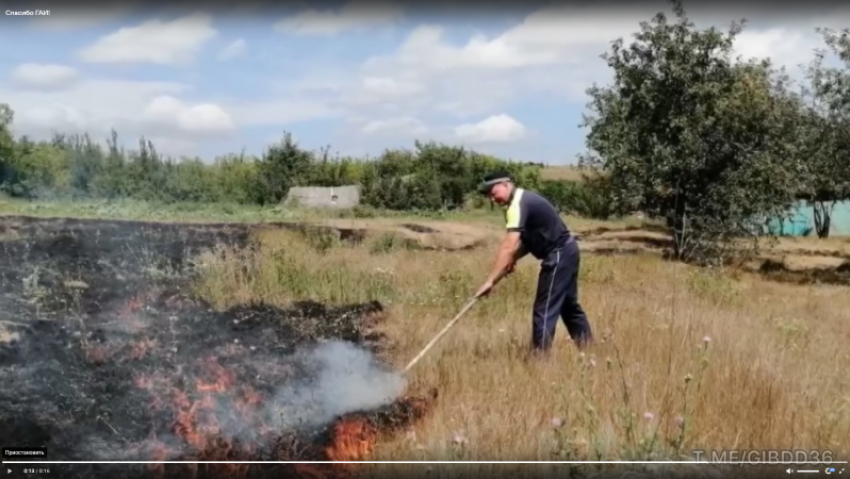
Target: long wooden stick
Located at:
point(440, 335)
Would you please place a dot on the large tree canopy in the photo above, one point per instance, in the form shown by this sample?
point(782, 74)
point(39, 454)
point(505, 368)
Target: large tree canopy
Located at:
point(689, 134)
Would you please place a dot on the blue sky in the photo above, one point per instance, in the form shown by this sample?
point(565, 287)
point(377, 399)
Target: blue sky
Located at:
point(359, 76)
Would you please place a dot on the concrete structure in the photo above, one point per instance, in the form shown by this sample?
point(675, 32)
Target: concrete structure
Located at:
point(802, 221)
point(324, 197)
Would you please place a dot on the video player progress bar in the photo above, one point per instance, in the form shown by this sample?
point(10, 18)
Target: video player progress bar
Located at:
point(428, 462)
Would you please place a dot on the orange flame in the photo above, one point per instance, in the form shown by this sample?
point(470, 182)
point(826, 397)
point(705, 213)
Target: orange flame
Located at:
point(223, 381)
point(353, 440)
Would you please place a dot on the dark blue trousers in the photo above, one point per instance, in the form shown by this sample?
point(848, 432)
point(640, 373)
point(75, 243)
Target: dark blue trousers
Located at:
point(557, 296)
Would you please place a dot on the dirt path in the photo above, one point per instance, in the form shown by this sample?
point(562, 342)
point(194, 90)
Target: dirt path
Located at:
point(428, 233)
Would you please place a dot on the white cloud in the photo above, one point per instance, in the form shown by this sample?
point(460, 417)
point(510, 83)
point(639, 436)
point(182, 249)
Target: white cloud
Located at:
point(354, 15)
point(495, 129)
point(154, 41)
point(401, 126)
point(233, 50)
point(94, 105)
point(202, 118)
point(281, 110)
point(132, 108)
point(785, 46)
point(37, 76)
point(560, 36)
point(553, 53)
point(391, 86)
point(546, 37)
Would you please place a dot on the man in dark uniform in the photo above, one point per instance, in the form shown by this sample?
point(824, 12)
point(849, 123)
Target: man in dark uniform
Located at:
point(534, 226)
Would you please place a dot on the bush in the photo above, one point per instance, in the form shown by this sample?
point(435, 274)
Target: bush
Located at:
point(591, 198)
point(433, 178)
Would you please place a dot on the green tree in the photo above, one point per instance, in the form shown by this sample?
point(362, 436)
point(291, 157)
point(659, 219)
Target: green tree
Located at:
point(112, 181)
point(237, 179)
point(385, 181)
point(444, 172)
point(145, 172)
point(687, 134)
point(7, 146)
point(589, 198)
point(826, 133)
point(84, 160)
point(282, 166)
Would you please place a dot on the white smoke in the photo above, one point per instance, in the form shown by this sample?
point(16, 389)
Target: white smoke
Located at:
point(344, 379)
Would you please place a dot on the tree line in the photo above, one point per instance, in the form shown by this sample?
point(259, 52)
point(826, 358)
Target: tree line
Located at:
point(431, 176)
point(710, 144)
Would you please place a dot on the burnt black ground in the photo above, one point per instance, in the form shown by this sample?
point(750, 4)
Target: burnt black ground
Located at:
point(109, 345)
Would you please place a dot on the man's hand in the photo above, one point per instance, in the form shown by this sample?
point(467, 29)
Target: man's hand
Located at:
point(510, 251)
point(484, 290)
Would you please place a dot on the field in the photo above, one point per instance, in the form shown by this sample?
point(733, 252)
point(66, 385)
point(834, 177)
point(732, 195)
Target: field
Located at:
point(209, 321)
point(562, 173)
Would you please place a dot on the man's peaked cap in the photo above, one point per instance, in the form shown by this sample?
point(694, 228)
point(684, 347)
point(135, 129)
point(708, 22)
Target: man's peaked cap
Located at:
point(492, 179)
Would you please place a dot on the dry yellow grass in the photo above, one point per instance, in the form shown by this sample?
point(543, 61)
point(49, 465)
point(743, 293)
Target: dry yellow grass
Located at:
point(839, 246)
point(562, 173)
point(684, 359)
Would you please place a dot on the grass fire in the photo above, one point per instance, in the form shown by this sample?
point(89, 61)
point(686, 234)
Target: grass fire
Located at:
point(114, 360)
